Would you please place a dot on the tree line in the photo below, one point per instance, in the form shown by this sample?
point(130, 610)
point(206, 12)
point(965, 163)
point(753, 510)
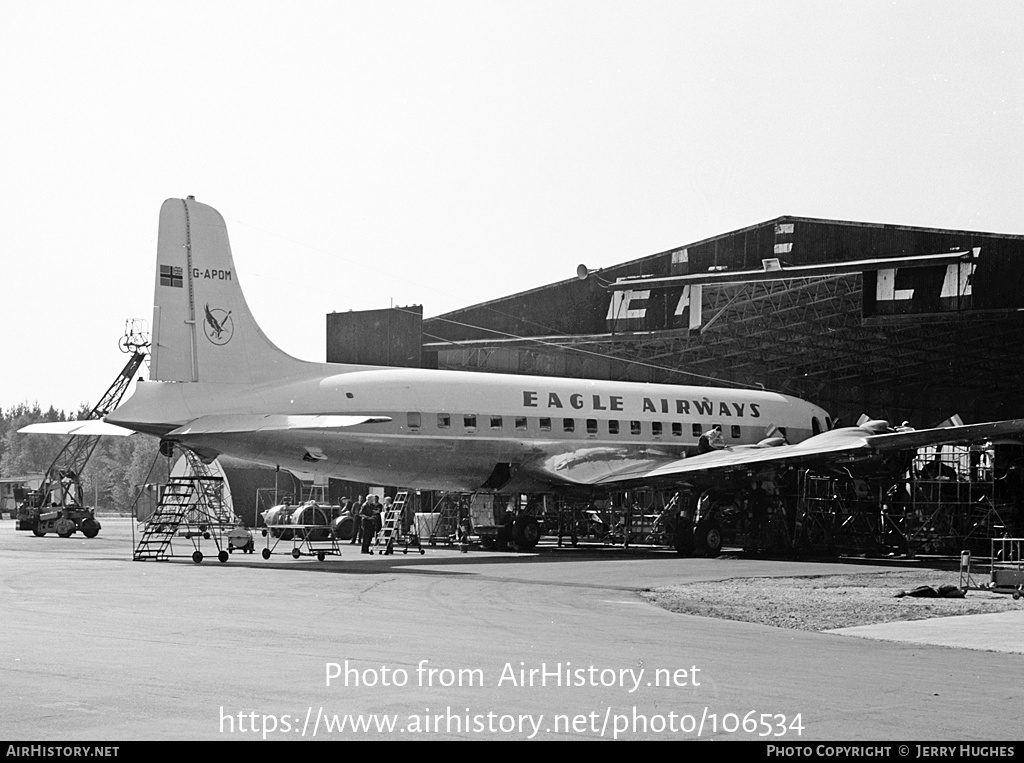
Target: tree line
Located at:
point(118, 469)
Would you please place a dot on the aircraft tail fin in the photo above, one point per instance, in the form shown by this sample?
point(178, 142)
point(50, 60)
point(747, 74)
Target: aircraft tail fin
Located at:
point(202, 327)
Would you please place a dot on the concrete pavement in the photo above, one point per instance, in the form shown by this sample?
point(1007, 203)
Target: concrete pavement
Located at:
point(550, 645)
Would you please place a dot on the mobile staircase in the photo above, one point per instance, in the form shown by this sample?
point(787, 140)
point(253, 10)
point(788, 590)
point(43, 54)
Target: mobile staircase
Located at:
point(191, 507)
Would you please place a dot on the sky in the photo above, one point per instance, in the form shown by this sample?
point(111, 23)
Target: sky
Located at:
point(447, 152)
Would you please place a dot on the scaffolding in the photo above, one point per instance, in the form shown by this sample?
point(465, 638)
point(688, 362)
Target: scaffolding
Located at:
point(631, 518)
point(946, 502)
point(836, 516)
point(441, 523)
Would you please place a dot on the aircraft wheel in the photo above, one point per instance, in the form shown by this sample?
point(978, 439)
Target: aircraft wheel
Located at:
point(38, 533)
point(296, 553)
point(197, 556)
point(422, 552)
point(487, 543)
point(222, 556)
point(320, 556)
point(90, 528)
point(266, 553)
point(525, 533)
point(708, 538)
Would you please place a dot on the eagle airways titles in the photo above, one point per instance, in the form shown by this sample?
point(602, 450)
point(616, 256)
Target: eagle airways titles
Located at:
point(218, 385)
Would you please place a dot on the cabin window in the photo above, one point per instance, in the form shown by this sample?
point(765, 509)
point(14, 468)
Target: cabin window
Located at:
point(735, 431)
point(634, 427)
point(413, 420)
point(520, 422)
point(677, 429)
point(496, 422)
point(591, 426)
point(444, 420)
point(613, 427)
point(469, 421)
point(815, 425)
point(696, 430)
point(569, 425)
point(545, 425)
point(656, 428)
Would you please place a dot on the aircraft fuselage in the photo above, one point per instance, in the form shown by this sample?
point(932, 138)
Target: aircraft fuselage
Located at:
point(451, 430)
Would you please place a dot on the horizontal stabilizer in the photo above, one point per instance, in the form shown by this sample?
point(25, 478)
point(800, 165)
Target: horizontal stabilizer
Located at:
point(237, 423)
point(88, 427)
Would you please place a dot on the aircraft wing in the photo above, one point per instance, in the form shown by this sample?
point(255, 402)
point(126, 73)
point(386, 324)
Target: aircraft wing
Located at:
point(86, 427)
point(834, 447)
point(241, 423)
point(967, 433)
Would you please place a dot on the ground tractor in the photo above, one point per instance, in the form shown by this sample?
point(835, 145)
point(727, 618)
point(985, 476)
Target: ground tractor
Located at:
point(63, 520)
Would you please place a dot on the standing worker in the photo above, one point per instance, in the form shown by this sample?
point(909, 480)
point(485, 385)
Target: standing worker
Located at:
point(357, 533)
point(367, 519)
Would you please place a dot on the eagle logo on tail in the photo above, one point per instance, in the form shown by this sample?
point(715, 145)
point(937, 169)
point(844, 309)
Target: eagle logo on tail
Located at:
point(219, 326)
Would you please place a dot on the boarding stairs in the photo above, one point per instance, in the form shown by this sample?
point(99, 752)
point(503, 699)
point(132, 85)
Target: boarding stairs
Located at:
point(190, 507)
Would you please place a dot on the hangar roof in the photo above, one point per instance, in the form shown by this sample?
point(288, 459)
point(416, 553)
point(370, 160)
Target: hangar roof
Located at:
point(896, 321)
